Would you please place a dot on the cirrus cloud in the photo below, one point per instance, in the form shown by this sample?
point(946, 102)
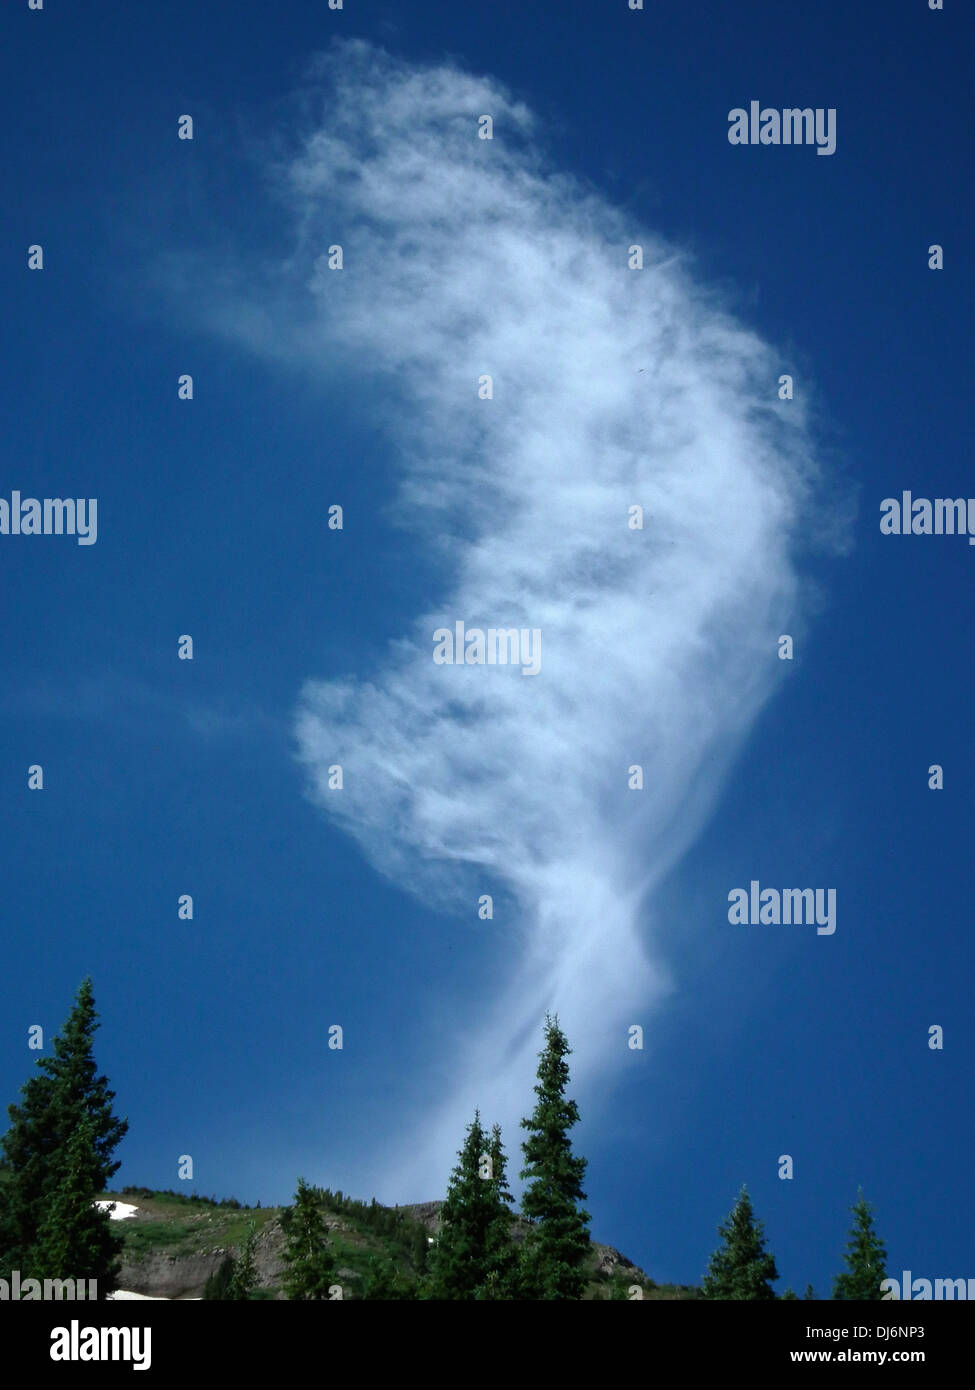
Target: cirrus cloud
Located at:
point(612, 387)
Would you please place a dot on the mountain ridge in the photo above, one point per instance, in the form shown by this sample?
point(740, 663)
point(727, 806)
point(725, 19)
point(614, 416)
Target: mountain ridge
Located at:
point(175, 1243)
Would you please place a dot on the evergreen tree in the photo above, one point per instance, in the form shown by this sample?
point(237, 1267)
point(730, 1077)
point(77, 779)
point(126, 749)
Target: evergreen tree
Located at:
point(306, 1251)
point(556, 1246)
point(502, 1282)
point(790, 1294)
point(418, 1250)
point(809, 1296)
point(472, 1256)
point(243, 1280)
point(383, 1281)
point(742, 1268)
point(865, 1258)
point(8, 1228)
point(65, 1092)
point(75, 1239)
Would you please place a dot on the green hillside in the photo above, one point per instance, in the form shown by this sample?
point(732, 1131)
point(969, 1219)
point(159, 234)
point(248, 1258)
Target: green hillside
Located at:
point(175, 1243)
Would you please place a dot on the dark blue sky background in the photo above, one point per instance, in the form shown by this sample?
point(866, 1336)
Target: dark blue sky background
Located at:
point(164, 777)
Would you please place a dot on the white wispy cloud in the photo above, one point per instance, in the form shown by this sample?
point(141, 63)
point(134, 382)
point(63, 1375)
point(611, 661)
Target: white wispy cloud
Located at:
point(125, 701)
point(612, 387)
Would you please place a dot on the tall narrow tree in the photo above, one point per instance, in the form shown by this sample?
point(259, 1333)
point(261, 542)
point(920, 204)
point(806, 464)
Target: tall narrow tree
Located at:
point(472, 1256)
point(243, 1280)
point(306, 1249)
point(741, 1268)
point(865, 1258)
point(75, 1239)
point(556, 1246)
point(501, 1256)
point(65, 1092)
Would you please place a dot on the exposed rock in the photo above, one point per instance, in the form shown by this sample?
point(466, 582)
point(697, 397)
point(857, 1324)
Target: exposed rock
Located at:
point(166, 1276)
point(427, 1213)
point(184, 1276)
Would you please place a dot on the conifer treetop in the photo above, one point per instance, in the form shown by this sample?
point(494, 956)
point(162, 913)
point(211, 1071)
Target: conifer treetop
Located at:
point(556, 1245)
point(741, 1268)
point(865, 1257)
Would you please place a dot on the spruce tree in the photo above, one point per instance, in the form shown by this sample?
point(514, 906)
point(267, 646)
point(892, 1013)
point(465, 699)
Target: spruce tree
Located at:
point(556, 1246)
point(306, 1250)
point(502, 1282)
point(243, 1280)
point(65, 1092)
point(75, 1239)
point(741, 1268)
point(472, 1256)
point(865, 1258)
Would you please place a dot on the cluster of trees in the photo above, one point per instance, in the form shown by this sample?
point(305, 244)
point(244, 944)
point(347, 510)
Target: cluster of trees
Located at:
point(743, 1268)
point(399, 1231)
point(310, 1270)
point(57, 1157)
point(147, 1193)
point(475, 1256)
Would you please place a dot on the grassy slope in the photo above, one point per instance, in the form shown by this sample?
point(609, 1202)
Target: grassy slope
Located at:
point(361, 1237)
point(177, 1226)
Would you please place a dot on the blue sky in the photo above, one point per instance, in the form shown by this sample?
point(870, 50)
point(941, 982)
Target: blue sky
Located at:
point(312, 646)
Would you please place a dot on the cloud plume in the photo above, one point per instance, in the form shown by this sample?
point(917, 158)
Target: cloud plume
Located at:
point(612, 387)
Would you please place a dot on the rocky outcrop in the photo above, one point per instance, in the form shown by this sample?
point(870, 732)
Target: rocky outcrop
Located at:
point(166, 1276)
point(184, 1276)
point(427, 1213)
point(610, 1261)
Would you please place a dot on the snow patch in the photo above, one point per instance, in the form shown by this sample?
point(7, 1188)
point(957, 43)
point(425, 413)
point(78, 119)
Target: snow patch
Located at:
point(120, 1212)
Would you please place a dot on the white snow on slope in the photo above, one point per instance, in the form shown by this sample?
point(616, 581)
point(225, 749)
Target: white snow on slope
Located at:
point(118, 1211)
